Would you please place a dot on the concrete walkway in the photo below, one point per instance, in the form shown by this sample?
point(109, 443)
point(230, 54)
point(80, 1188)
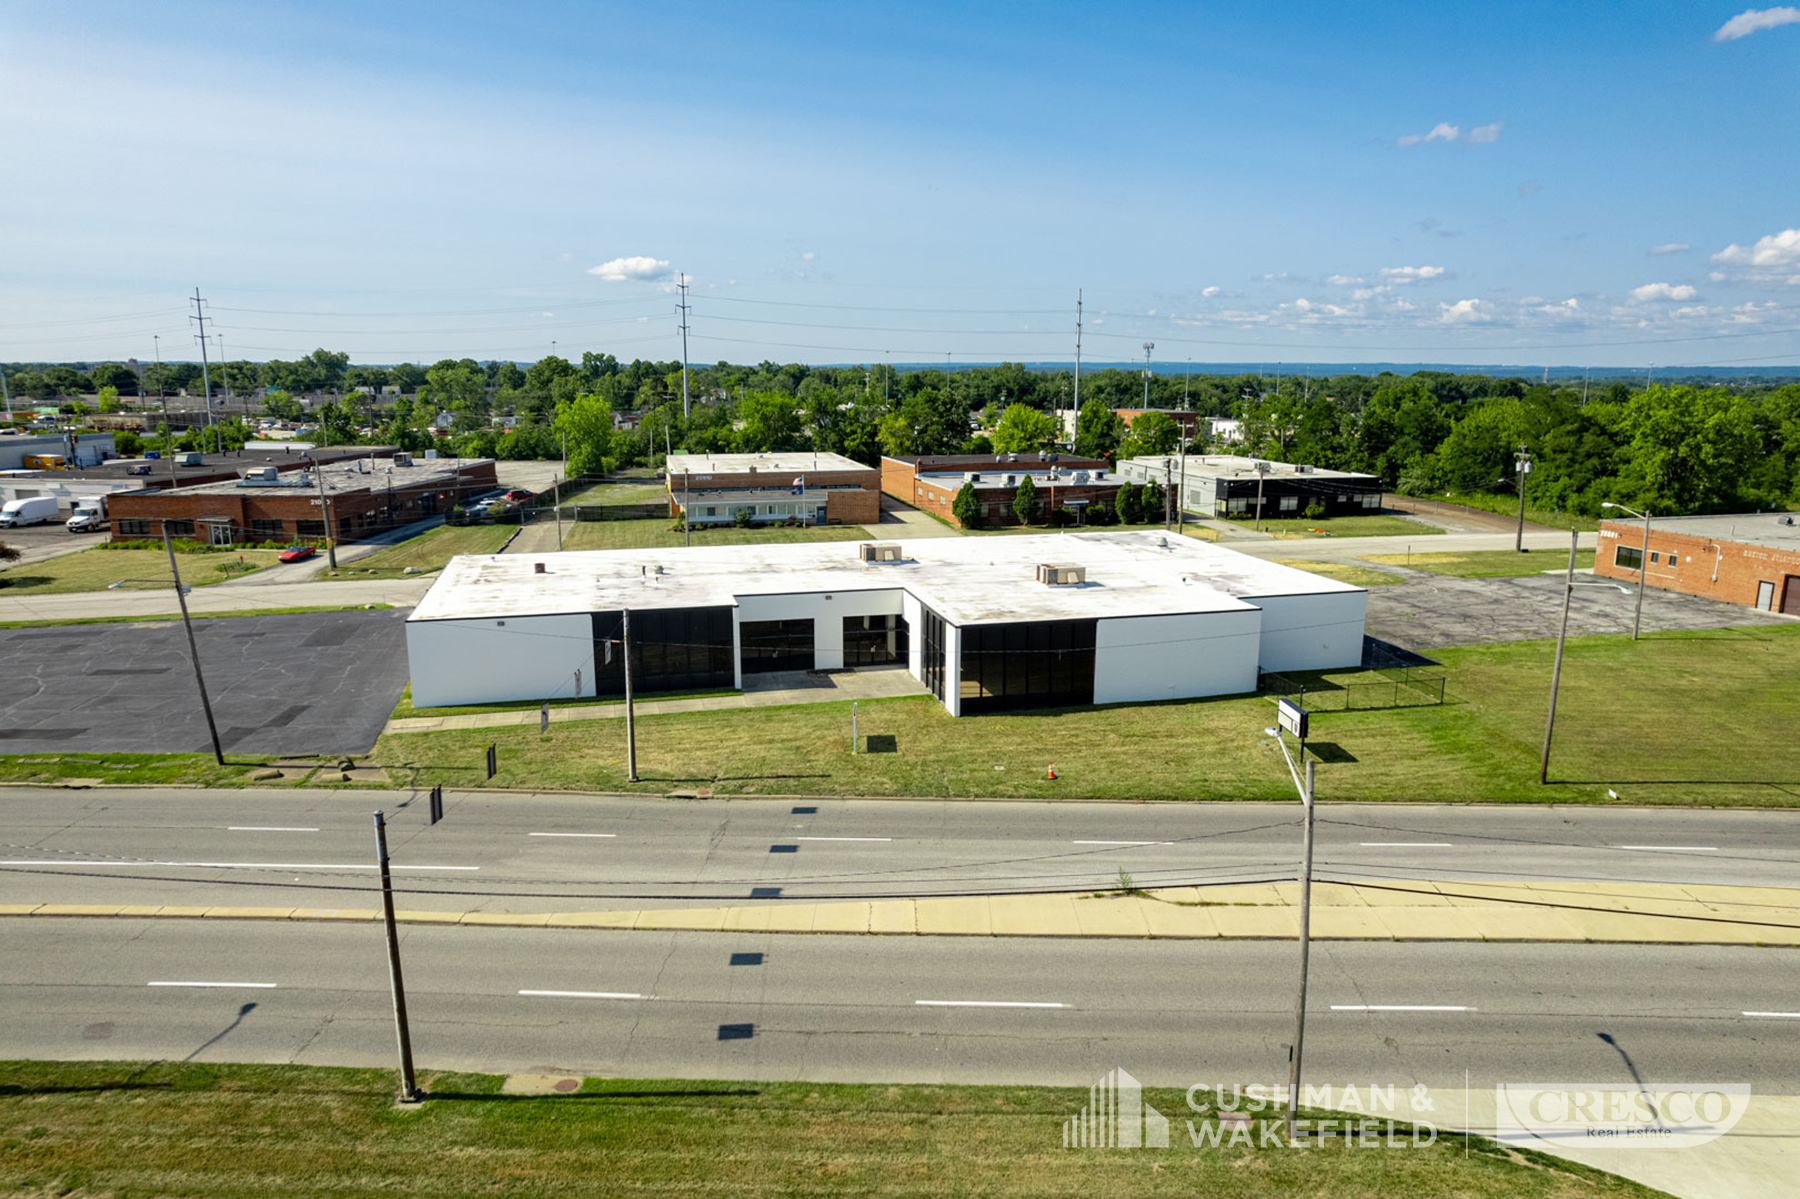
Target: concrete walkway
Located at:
point(900, 521)
point(1419, 910)
point(79, 605)
point(770, 691)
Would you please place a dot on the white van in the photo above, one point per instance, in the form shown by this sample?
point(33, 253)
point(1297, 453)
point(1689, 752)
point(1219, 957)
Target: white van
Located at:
point(34, 511)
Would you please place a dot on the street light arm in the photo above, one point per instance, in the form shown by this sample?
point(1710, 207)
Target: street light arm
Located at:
point(1293, 772)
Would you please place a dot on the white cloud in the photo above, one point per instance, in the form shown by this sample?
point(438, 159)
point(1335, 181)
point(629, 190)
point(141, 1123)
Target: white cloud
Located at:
point(1443, 131)
point(1463, 312)
point(1368, 293)
point(1343, 280)
point(1673, 247)
point(1663, 291)
point(1754, 20)
point(1776, 250)
point(1210, 292)
point(1411, 274)
point(1717, 276)
point(808, 256)
point(638, 268)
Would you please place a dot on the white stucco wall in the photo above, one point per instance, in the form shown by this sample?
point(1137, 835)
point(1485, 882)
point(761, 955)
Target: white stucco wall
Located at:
point(914, 612)
point(1175, 657)
point(953, 668)
point(1312, 632)
point(491, 661)
point(826, 610)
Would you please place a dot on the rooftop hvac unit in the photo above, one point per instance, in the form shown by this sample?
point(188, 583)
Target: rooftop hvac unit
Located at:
point(1059, 576)
point(261, 474)
point(403, 459)
point(1263, 468)
point(972, 477)
point(1012, 480)
point(879, 551)
point(1081, 476)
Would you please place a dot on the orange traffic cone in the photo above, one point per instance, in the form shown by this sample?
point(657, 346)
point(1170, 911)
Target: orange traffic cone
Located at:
point(1052, 770)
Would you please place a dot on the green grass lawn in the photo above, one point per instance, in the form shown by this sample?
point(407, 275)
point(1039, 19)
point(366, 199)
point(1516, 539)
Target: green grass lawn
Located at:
point(631, 490)
point(189, 769)
point(1200, 532)
point(1482, 745)
point(171, 1129)
point(1344, 572)
point(1341, 526)
point(94, 569)
point(660, 534)
point(405, 709)
point(430, 550)
point(1508, 505)
point(1488, 564)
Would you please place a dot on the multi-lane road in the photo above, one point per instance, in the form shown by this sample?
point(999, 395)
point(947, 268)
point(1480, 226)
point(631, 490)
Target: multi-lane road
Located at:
point(859, 1007)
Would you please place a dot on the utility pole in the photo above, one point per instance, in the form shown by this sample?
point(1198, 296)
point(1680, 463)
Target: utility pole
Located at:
point(1148, 346)
point(205, 371)
point(559, 490)
point(1181, 516)
point(1306, 861)
point(887, 368)
point(1556, 671)
point(409, 1090)
point(683, 306)
point(193, 648)
point(1168, 492)
point(1524, 465)
point(631, 775)
point(1077, 363)
point(324, 510)
point(1186, 378)
point(168, 448)
point(1259, 486)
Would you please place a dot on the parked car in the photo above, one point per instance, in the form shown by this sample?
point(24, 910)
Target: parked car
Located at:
point(519, 495)
point(296, 553)
point(33, 511)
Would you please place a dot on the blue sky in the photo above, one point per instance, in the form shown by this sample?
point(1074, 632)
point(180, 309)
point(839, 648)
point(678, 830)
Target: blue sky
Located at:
point(1524, 183)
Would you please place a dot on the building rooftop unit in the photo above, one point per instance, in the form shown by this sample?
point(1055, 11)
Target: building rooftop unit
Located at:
point(1231, 466)
point(965, 580)
point(340, 478)
point(743, 464)
point(1775, 530)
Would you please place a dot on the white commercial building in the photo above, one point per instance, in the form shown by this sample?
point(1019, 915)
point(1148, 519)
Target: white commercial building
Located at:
point(987, 624)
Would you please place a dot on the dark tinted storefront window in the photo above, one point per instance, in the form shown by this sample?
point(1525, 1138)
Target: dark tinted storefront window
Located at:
point(1044, 664)
point(770, 645)
point(672, 649)
point(874, 640)
point(933, 665)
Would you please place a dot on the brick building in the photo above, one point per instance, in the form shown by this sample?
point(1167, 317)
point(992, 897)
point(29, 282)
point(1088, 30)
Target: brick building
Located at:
point(1753, 560)
point(366, 497)
point(1194, 424)
point(822, 489)
point(1062, 481)
point(1226, 485)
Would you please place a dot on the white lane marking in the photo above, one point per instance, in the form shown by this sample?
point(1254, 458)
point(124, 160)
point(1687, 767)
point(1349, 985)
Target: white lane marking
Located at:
point(1406, 845)
point(1674, 848)
point(1397, 1007)
point(843, 838)
point(1776, 1015)
point(260, 986)
point(265, 828)
point(979, 1003)
point(230, 865)
point(1121, 843)
point(571, 834)
point(586, 994)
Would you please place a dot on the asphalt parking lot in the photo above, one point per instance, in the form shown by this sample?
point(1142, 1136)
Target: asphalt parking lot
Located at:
point(37, 542)
point(317, 683)
point(1430, 611)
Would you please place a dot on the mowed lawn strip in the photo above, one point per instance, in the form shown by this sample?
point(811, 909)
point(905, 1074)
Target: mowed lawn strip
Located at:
point(1481, 745)
point(431, 550)
point(660, 534)
point(1488, 564)
point(1340, 526)
point(146, 569)
point(169, 1129)
point(1344, 572)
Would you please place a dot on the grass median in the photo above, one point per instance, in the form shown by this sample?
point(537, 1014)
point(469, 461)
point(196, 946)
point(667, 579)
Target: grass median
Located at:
point(1488, 564)
point(1300, 528)
point(1480, 745)
point(168, 1129)
point(135, 570)
point(429, 551)
point(660, 534)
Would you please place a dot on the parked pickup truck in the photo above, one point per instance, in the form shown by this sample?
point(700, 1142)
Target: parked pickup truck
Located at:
point(89, 515)
point(34, 511)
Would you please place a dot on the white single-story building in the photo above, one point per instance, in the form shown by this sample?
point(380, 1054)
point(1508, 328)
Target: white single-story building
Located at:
point(986, 623)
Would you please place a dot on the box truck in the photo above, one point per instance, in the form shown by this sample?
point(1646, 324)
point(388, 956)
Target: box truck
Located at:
point(89, 515)
point(34, 511)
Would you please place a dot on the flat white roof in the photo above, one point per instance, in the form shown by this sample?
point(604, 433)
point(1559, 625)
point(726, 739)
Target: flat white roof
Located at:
point(740, 464)
point(1234, 466)
point(967, 580)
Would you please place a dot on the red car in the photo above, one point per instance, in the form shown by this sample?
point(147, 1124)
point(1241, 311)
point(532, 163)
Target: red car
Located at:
point(296, 553)
point(519, 495)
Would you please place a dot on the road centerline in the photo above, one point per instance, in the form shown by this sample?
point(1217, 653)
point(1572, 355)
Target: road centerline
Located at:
point(193, 983)
point(571, 834)
point(843, 838)
point(267, 828)
point(1399, 1007)
point(584, 994)
point(1673, 848)
point(1405, 844)
point(984, 1003)
point(1121, 843)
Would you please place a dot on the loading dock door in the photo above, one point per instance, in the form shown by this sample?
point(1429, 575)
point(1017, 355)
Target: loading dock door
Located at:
point(1765, 595)
point(776, 645)
point(1790, 596)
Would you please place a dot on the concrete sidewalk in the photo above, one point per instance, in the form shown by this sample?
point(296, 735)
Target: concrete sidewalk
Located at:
point(81, 605)
point(1595, 913)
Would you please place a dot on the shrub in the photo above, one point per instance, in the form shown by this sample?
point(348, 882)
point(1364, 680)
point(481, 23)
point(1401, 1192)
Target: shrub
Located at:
point(966, 507)
point(1129, 506)
point(1315, 512)
point(744, 517)
point(1025, 505)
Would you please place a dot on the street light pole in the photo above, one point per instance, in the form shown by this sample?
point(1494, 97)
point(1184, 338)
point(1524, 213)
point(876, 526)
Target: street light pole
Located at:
point(409, 1089)
point(1524, 464)
point(1306, 862)
point(1562, 635)
point(1148, 346)
point(324, 510)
